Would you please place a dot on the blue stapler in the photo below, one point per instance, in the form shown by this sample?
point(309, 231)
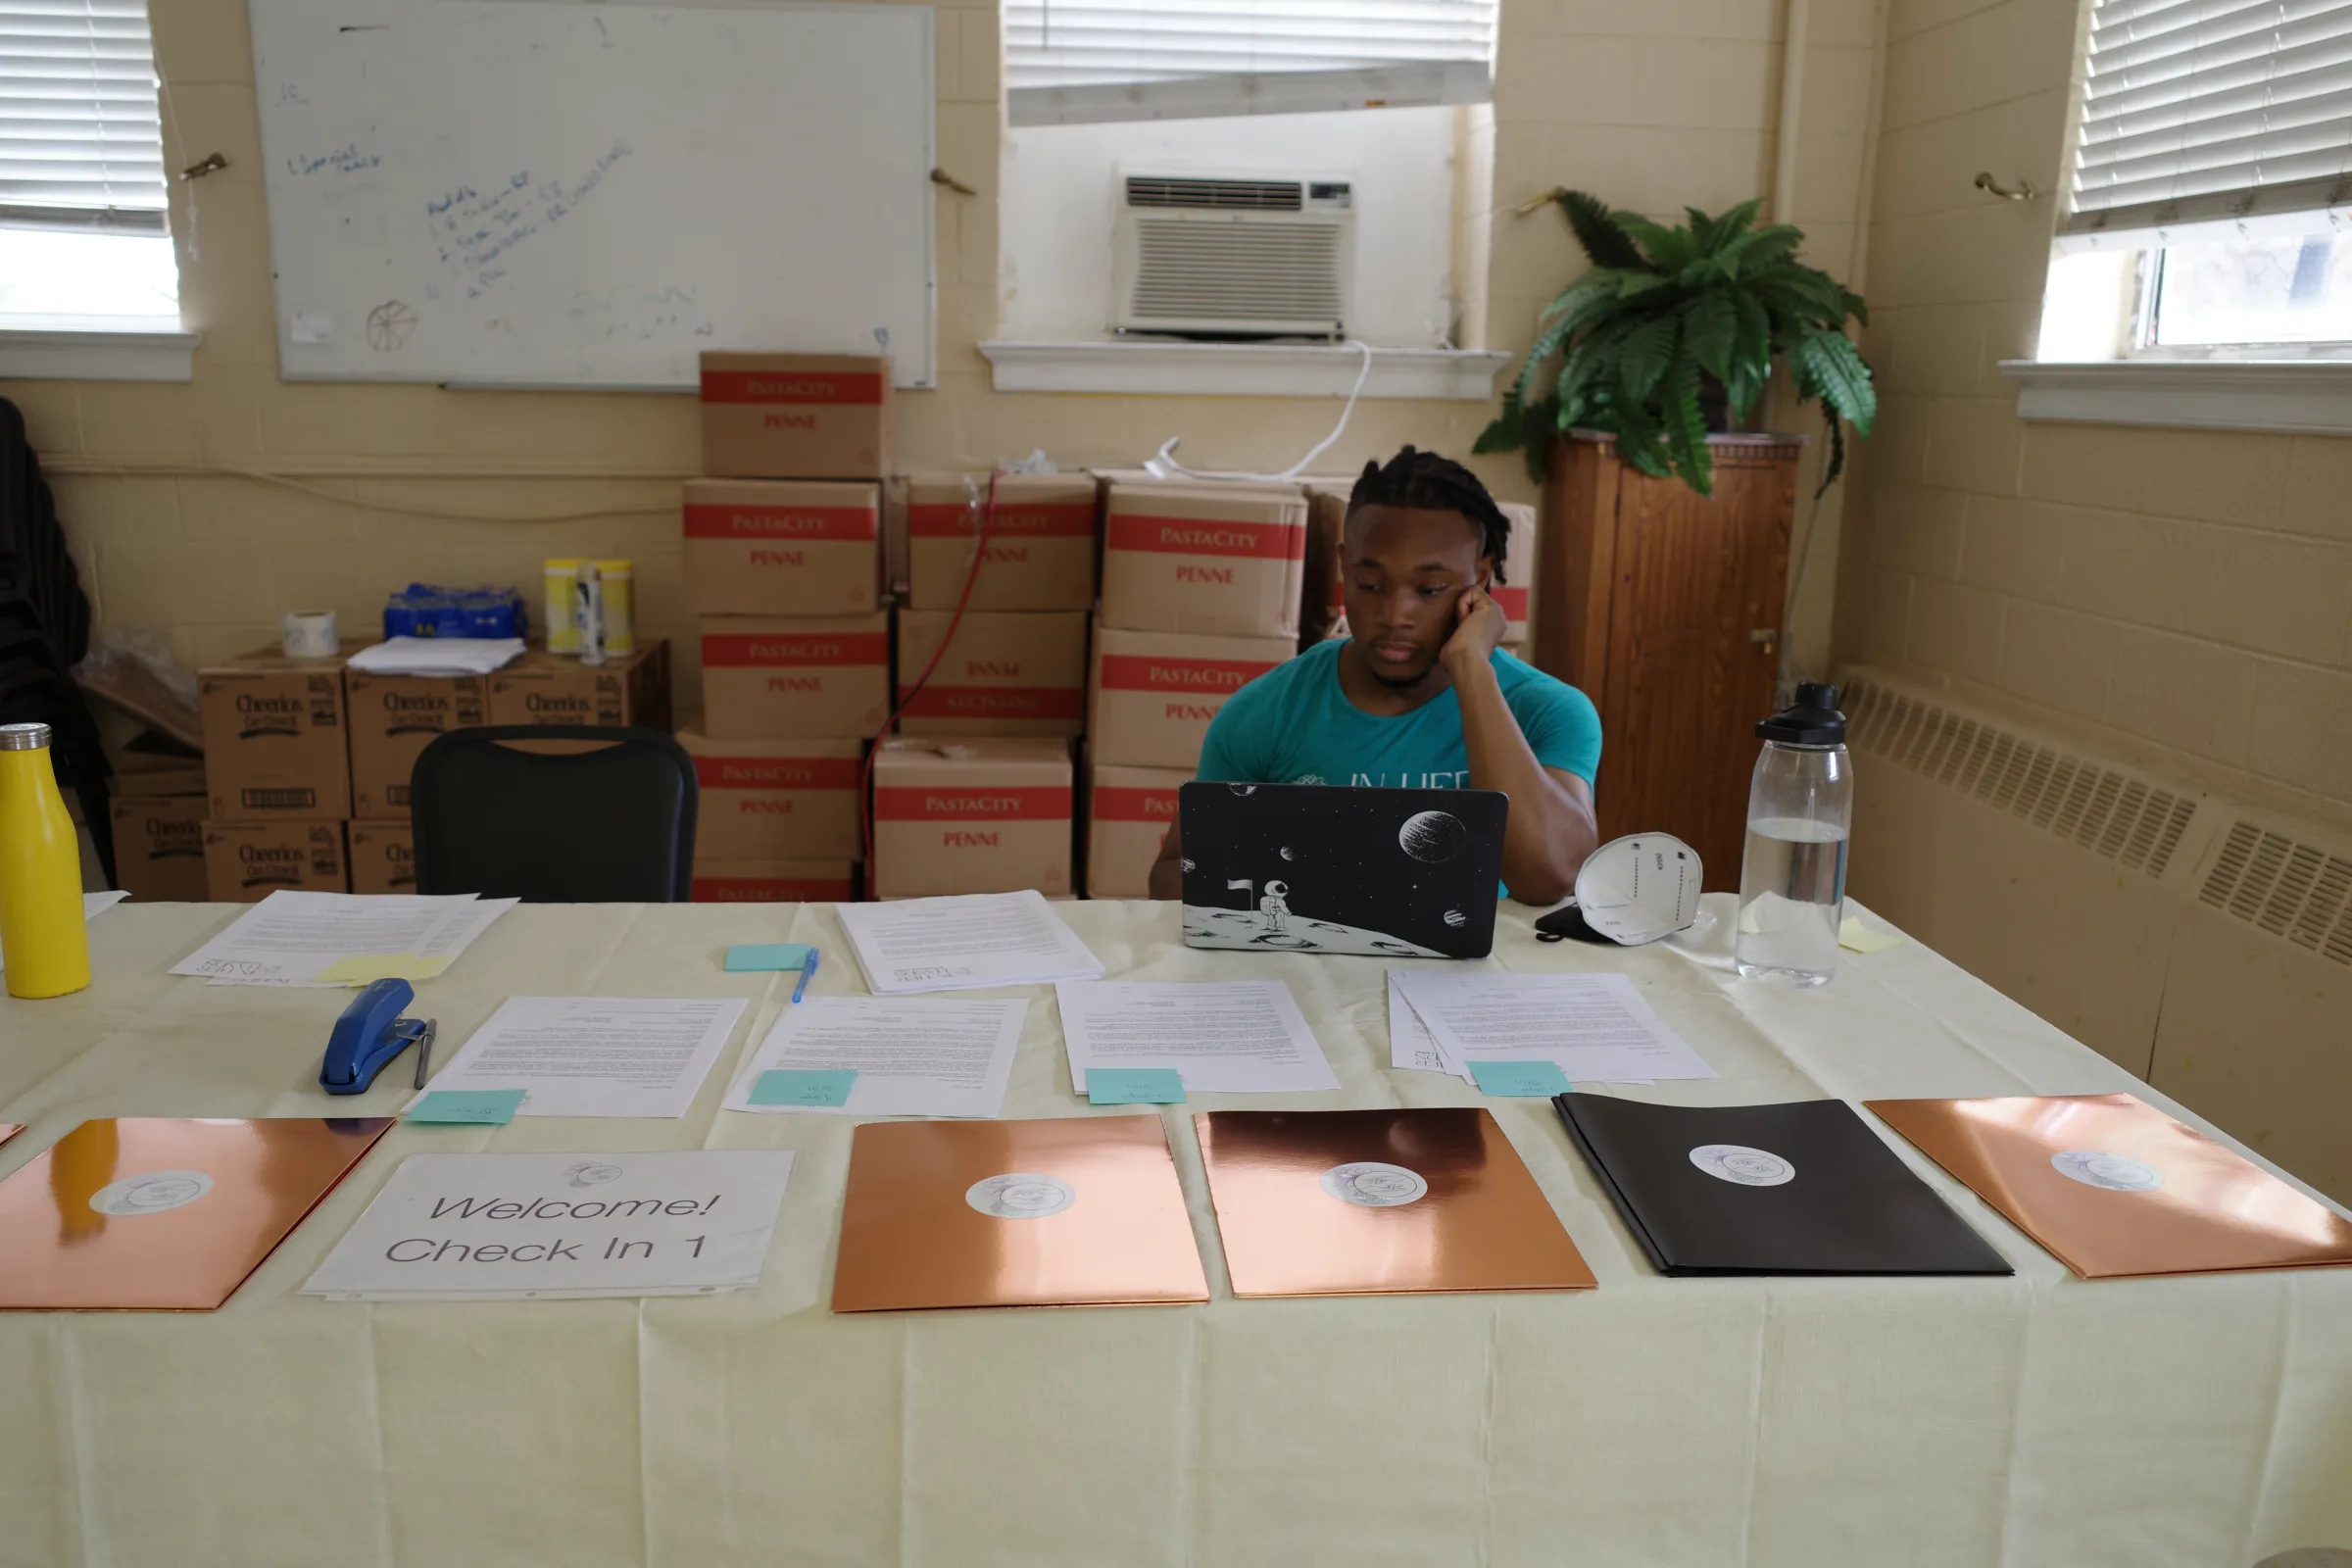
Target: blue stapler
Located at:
point(370, 1033)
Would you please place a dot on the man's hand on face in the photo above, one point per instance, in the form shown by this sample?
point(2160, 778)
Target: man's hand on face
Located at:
point(1478, 627)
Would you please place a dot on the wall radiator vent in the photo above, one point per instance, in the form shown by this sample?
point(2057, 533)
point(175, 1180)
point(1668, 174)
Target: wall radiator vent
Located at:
point(2129, 820)
point(2297, 890)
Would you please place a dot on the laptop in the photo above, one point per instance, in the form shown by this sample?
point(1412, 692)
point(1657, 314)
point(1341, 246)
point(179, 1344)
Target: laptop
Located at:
point(1330, 869)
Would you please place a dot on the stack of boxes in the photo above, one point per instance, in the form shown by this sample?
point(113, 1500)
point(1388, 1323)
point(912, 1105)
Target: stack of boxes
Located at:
point(981, 797)
point(783, 566)
point(1202, 589)
point(277, 776)
point(158, 814)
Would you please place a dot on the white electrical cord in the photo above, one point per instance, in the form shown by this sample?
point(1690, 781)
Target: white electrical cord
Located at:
point(1162, 465)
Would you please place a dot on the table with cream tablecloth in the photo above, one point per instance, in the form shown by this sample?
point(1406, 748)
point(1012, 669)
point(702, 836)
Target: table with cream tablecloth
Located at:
point(2033, 1420)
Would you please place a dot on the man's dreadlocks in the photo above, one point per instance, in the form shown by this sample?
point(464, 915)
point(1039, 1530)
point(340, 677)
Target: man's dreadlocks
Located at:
point(1423, 481)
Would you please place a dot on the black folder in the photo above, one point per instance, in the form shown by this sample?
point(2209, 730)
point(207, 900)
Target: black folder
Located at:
point(1805, 1188)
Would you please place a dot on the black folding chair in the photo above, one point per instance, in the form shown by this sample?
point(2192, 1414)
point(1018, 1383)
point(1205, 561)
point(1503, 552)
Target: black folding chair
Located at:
point(605, 816)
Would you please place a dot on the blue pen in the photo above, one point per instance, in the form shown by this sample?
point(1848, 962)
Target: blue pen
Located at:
point(808, 973)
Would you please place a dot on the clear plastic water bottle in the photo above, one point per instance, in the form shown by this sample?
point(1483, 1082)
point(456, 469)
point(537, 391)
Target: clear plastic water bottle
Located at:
point(1800, 807)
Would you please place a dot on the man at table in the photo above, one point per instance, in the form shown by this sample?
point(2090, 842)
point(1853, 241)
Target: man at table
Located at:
point(1422, 696)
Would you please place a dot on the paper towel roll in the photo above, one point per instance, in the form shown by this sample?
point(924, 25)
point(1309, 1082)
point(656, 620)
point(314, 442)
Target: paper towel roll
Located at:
point(310, 634)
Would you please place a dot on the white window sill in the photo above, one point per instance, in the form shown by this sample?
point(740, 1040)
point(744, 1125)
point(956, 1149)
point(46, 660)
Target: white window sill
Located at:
point(1241, 369)
point(2304, 395)
point(45, 348)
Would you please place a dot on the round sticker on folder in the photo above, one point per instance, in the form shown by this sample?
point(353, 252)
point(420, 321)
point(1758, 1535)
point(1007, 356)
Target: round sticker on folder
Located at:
point(1639, 888)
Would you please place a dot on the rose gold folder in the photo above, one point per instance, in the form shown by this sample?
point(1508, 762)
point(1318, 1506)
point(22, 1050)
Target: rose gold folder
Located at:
point(147, 1212)
point(1346, 1203)
point(1081, 1210)
point(10, 1129)
point(2113, 1187)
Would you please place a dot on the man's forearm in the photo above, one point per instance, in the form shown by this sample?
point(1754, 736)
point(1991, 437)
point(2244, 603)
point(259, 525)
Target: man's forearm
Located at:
point(1549, 832)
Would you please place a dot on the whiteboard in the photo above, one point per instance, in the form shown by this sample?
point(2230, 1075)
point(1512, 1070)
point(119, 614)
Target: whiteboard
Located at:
point(568, 193)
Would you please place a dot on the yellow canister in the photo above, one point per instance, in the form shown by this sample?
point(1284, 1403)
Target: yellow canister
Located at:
point(563, 621)
point(620, 621)
point(43, 941)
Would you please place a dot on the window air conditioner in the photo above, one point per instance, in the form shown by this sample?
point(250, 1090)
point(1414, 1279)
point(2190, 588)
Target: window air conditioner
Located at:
point(1233, 256)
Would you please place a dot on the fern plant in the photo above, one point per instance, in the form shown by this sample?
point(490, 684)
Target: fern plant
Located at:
point(1663, 312)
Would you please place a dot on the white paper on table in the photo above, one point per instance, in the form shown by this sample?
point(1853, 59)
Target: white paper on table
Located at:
point(914, 1056)
point(1232, 1037)
point(289, 938)
point(595, 1055)
point(1411, 1043)
point(1594, 1027)
point(93, 904)
point(626, 1224)
point(964, 943)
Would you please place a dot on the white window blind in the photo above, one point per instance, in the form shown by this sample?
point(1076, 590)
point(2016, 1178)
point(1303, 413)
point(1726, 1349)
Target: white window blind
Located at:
point(80, 143)
point(2199, 111)
point(1069, 62)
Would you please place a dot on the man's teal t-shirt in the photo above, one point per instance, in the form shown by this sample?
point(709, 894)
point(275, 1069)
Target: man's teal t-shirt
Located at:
point(1293, 725)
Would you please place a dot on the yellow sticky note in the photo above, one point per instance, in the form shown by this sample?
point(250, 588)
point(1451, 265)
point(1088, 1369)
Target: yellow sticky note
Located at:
point(1853, 933)
point(359, 969)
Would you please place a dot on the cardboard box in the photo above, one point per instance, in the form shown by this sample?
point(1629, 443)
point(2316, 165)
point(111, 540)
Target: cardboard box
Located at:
point(244, 862)
point(159, 847)
point(769, 677)
point(1008, 672)
point(795, 416)
point(1516, 596)
point(544, 688)
point(764, 547)
point(383, 857)
point(1210, 563)
point(776, 799)
point(274, 739)
point(982, 815)
point(1128, 813)
point(776, 882)
point(1153, 694)
point(1041, 544)
point(393, 718)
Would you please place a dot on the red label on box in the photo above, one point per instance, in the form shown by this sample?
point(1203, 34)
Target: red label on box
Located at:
point(997, 702)
point(792, 386)
point(901, 805)
point(776, 772)
point(1141, 672)
point(761, 650)
point(1122, 804)
point(769, 890)
point(947, 519)
point(1511, 601)
point(780, 522)
point(1194, 536)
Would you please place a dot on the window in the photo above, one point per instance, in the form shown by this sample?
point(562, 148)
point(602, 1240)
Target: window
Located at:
point(1074, 62)
point(2212, 201)
point(82, 230)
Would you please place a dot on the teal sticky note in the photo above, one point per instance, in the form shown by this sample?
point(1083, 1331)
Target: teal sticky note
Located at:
point(487, 1106)
point(1519, 1079)
point(1134, 1086)
point(769, 955)
point(804, 1086)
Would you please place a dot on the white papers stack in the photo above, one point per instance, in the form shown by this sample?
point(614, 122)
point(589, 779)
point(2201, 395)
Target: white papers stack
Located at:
point(595, 1055)
point(499, 1227)
point(1594, 1027)
point(964, 943)
point(93, 904)
point(438, 655)
point(1222, 1036)
point(912, 1056)
point(292, 938)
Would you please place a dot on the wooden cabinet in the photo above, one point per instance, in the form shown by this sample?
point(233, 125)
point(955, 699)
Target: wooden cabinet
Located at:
point(1665, 607)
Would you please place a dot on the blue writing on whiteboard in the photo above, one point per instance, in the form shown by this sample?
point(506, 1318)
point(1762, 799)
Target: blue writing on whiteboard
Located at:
point(344, 160)
point(472, 231)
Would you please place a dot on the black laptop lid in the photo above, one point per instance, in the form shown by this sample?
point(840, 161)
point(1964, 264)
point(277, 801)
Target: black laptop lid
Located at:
point(1333, 868)
point(1805, 1188)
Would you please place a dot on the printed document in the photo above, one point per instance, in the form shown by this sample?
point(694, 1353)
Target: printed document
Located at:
point(1411, 1043)
point(597, 1056)
point(925, 1057)
point(964, 943)
point(289, 939)
point(1595, 1026)
point(500, 1227)
point(1221, 1036)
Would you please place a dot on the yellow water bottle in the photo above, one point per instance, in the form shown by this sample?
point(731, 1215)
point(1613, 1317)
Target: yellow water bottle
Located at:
point(43, 942)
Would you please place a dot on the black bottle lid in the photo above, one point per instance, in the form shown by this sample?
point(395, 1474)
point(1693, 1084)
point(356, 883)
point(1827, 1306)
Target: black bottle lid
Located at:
point(1812, 719)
